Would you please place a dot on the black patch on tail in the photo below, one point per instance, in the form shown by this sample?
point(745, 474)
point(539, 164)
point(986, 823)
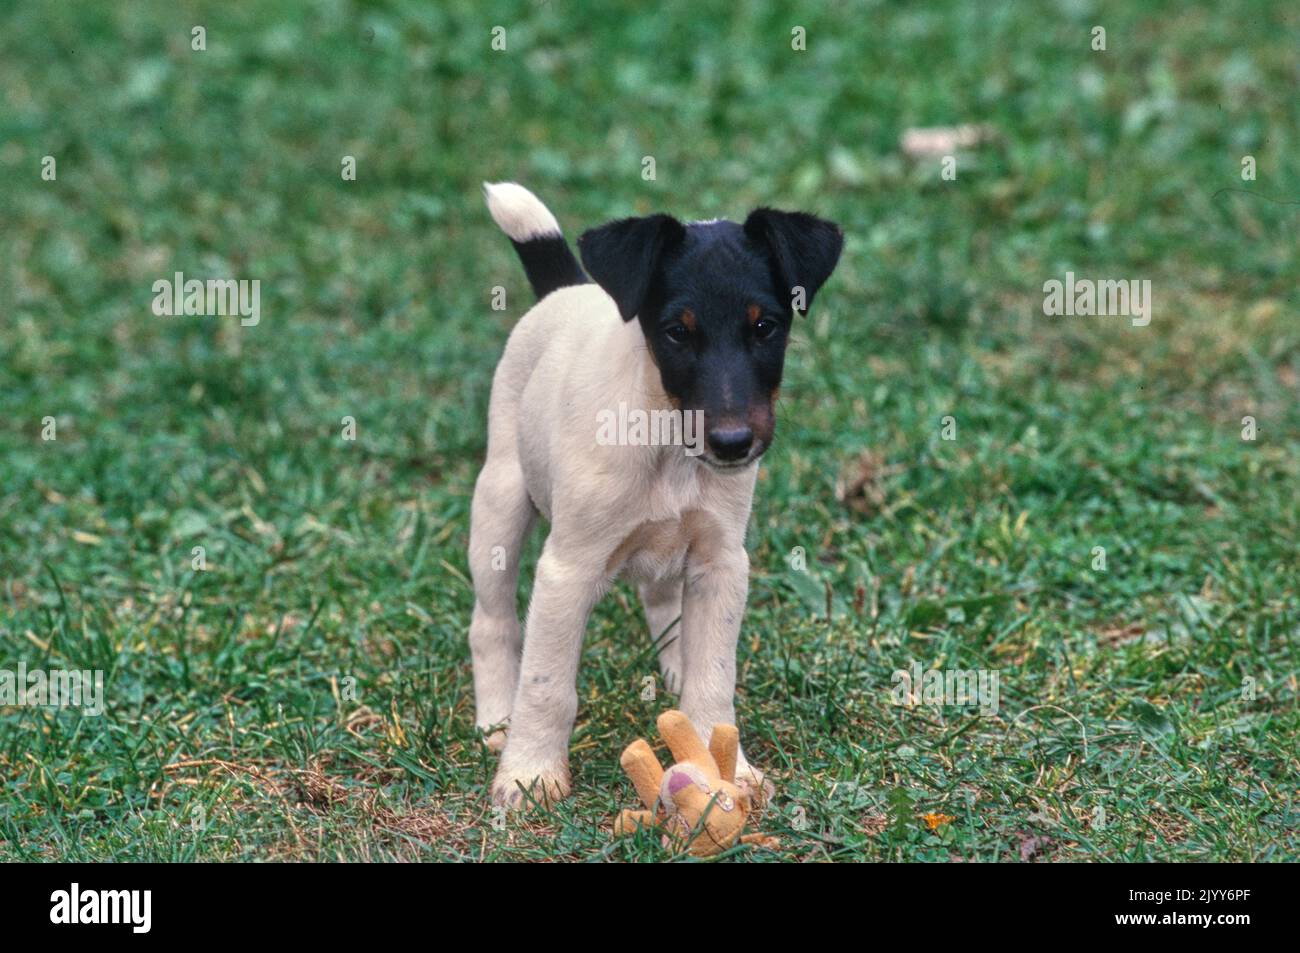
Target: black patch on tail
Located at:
point(549, 264)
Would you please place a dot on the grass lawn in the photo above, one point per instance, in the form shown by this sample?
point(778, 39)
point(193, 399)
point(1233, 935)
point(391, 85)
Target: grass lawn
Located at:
point(307, 696)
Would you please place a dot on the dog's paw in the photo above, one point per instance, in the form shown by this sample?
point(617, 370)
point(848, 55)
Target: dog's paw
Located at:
point(519, 789)
point(754, 785)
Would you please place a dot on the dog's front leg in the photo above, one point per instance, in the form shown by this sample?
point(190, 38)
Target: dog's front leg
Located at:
point(717, 583)
point(536, 754)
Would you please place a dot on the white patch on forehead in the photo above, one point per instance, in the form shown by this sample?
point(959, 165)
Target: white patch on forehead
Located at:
point(705, 221)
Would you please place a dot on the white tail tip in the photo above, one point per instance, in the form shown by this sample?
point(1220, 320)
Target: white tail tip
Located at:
point(520, 213)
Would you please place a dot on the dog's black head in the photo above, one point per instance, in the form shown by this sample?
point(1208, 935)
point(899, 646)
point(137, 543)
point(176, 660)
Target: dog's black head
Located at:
point(716, 301)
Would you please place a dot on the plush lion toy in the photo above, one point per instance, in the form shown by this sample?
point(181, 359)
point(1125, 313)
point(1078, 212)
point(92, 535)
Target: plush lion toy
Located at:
point(695, 803)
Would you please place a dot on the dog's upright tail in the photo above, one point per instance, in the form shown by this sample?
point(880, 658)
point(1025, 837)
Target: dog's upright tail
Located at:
point(535, 233)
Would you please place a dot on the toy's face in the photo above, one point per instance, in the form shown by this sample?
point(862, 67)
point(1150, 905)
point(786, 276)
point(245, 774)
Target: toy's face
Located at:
point(688, 797)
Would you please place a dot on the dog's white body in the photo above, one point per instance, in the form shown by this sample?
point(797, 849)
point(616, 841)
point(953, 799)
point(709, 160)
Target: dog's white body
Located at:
point(652, 514)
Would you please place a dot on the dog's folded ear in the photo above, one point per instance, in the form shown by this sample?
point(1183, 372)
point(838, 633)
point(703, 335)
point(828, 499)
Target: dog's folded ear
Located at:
point(804, 250)
point(622, 257)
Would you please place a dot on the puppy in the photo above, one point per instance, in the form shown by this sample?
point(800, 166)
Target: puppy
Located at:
point(684, 322)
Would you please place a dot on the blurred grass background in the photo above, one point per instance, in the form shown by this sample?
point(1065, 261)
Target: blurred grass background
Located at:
point(1123, 731)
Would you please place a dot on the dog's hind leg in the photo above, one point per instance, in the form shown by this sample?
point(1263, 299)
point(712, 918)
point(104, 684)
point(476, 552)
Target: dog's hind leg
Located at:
point(662, 602)
point(500, 518)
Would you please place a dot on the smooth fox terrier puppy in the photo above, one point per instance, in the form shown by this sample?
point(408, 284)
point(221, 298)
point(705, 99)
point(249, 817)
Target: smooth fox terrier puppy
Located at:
point(713, 303)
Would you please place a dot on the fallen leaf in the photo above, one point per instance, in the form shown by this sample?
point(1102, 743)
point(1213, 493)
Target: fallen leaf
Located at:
point(943, 140)
point(1031, 844)
point(862, 486)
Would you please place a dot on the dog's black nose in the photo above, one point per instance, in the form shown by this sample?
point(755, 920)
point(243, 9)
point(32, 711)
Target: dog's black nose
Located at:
point(730, 443)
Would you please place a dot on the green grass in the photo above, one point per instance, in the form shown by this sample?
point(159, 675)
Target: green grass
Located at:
point(1122, 734)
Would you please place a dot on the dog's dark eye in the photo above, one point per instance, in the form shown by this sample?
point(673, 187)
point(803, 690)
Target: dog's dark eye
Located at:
point(677, 333)
point(764, 328)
